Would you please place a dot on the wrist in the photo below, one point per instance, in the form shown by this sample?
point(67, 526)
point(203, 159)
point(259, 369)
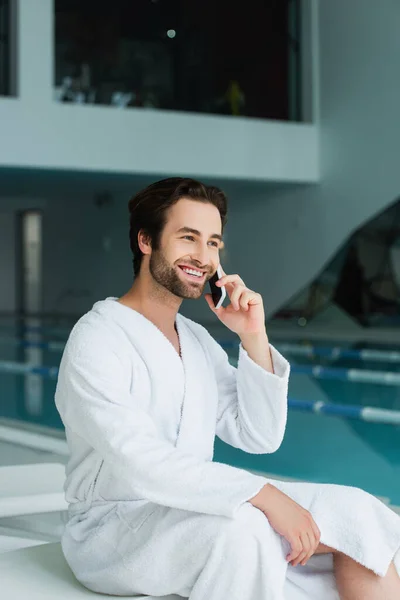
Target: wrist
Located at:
point(261, 499)
point(258, 338)
point(258, 349)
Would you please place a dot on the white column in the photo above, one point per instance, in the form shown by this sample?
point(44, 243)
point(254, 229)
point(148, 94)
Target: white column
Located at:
point(310, 60)
point(35, 50)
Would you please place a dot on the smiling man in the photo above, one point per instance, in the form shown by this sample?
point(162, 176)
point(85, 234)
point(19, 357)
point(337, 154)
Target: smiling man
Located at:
point(143, 391)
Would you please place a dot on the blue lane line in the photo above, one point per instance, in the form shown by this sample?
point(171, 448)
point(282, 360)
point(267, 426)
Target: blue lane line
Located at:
point(361, 413)
point(316, 371)
point(36, 329)
point(369, 414)
point(343, 410)
point(350, 375)
point(331, 352)
point(52, 346)
point(16, 368)
point(336, 352)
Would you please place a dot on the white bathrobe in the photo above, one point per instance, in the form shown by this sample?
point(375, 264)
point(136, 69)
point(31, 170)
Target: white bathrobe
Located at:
point(150, 513)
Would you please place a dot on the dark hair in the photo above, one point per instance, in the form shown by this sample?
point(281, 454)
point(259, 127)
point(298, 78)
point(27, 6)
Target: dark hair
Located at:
point(148, 209)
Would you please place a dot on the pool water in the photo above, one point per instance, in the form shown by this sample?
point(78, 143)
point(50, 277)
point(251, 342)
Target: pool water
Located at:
point(316, 448)
point(331, 449)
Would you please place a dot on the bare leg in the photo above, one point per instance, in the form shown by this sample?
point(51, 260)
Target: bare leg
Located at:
point(355, 582)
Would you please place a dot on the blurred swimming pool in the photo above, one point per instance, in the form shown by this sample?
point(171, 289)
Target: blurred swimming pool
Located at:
point(317, 448)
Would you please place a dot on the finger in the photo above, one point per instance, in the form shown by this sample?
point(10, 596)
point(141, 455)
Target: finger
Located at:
point(299, 559)
point(231, 287)
point(296, 547)
point(245, 299)
point(227, 279)
point(311, 541)
point(235, 296)
point(316, 532)
point(306, 547)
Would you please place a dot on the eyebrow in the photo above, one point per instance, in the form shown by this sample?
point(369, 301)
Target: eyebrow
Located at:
point(196, 232)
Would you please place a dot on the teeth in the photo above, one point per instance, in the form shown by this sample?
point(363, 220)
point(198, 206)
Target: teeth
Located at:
point(192, 272)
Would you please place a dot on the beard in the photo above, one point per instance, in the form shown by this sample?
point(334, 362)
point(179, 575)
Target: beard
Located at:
point(166, 275)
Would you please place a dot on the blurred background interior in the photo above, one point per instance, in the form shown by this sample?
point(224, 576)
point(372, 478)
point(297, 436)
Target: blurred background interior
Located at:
point(292, 107)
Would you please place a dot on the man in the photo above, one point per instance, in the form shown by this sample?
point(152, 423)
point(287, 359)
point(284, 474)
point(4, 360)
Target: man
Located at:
point(143, 391)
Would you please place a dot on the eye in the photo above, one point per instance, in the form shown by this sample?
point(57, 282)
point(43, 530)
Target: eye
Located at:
point(188, 237)
point(215, 244)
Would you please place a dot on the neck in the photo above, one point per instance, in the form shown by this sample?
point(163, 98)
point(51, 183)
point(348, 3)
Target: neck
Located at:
point(153, 301)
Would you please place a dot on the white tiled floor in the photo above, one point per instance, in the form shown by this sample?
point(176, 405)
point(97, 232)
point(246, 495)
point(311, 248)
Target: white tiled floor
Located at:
point(14, 454)
point(29, 530)
point(10, 541)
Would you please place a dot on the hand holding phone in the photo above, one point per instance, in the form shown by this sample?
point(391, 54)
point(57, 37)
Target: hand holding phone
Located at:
point(245, 313)
point(218, 293)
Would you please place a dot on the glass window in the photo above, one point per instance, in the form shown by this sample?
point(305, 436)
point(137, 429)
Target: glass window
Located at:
point(362, 281)
point(202, 56)
point(5, 43)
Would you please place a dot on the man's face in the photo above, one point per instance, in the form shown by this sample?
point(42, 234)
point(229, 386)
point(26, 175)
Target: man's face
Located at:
point(191, 239)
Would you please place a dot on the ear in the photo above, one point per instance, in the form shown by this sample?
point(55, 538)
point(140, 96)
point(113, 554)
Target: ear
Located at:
point(144, 242)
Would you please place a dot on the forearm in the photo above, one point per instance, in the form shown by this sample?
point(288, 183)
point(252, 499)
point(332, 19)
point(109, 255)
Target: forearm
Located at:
point(257, 347)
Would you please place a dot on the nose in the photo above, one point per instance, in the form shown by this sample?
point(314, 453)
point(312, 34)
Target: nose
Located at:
point(202, 255)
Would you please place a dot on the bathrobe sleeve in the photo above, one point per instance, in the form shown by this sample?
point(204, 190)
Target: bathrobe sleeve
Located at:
point(94, 400)
point(252, 409)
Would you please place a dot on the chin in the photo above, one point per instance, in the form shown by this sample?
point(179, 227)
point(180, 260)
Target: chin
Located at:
point(193, 295)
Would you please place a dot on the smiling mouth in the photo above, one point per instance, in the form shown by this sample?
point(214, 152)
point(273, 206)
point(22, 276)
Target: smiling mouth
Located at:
point(191, 277)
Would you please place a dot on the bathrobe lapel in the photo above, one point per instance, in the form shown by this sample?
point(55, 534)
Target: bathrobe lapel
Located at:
point(198, 416)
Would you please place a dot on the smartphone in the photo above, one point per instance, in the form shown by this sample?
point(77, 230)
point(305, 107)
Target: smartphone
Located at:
point(218, 293)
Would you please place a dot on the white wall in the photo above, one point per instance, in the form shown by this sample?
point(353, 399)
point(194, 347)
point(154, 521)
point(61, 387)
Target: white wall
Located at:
point(86, 252)
point(86, 247)
point(284, 237)
point(38, 132)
